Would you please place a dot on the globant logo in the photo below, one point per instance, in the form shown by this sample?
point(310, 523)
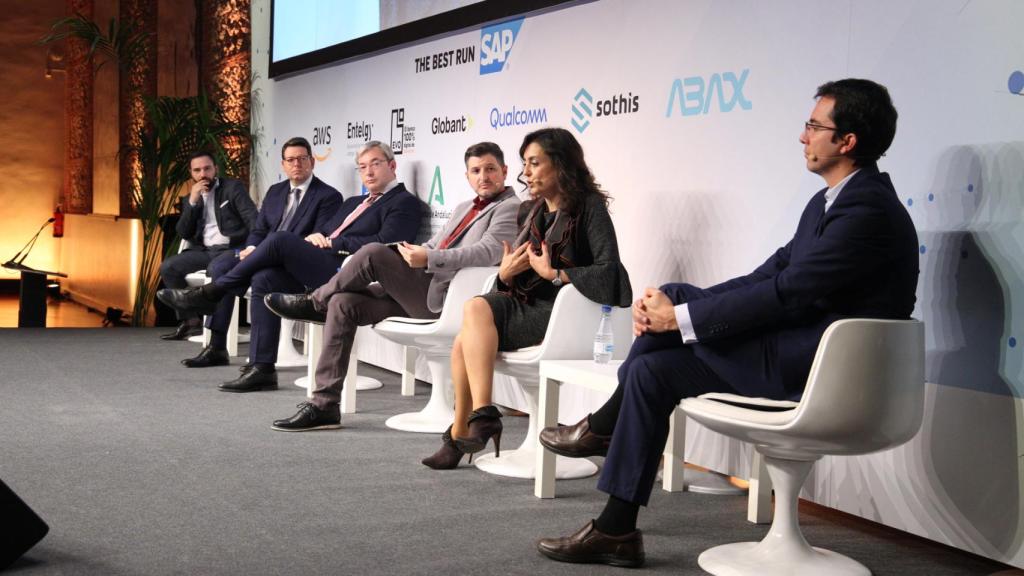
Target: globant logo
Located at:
point(450, 126)
point(496, 44)
point(517, 117)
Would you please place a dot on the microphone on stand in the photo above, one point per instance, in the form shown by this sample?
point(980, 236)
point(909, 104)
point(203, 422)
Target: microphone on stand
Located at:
point(16, 262)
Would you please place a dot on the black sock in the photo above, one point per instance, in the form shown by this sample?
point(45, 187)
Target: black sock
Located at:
point(263, 366)
point(218, 340)
point(617, 518)
point(213, 292)
point(603, 421)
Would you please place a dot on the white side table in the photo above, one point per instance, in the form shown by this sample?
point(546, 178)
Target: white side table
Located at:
point(604, 377)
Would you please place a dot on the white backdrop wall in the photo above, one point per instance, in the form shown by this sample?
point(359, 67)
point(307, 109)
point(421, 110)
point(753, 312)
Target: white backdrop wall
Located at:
point(701, 105)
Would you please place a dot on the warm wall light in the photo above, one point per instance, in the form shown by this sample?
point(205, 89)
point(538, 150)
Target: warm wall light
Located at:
point(54, 61)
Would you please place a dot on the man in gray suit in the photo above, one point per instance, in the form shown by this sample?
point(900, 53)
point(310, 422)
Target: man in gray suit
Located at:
point(412, 281)
point(216, 215)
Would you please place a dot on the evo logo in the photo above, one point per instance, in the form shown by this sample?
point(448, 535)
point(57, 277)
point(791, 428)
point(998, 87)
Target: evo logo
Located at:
point(496, 44)
point(693, 96)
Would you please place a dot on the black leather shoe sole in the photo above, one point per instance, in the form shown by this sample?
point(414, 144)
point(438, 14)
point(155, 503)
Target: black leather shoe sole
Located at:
point(207, 361)
point(291, 311)
point(325, 426)
point(609, 559)
point(249, 387)
point(182, 334)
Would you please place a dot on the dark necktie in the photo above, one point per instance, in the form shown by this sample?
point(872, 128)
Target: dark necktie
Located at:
point(290, 211)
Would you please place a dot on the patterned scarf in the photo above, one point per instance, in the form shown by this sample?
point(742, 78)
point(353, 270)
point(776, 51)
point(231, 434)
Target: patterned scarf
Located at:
point(527, 286)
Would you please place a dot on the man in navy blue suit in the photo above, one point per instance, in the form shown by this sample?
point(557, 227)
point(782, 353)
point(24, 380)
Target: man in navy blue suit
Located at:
point(287, 260)
point(855, 254)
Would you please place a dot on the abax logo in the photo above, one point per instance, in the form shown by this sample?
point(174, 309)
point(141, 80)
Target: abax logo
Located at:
point(403, 138)
point(701, 94)
point(584, 108)
point(496, 44)
point(517, 117)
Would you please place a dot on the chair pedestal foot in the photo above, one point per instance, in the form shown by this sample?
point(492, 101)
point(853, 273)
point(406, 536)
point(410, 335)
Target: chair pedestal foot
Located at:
point(367, 383)
point(707, 482)
point(766, 558)
point(438, 414)
point(522, 463)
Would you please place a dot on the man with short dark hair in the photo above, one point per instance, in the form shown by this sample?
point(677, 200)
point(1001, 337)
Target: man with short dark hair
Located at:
point(855, 254)
point(412, 281)
point(216, 215)
point(287, 261)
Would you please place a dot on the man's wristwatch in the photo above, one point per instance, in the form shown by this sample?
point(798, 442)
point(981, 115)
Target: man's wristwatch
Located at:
point(557, 280)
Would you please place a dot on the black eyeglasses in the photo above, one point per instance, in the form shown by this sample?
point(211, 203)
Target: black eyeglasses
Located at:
point(815, 127)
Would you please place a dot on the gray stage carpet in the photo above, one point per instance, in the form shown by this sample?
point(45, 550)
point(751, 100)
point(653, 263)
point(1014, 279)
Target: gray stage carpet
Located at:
point(141, 466)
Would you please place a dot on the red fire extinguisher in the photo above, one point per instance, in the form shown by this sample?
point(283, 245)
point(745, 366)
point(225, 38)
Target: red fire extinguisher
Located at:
point(58, 222)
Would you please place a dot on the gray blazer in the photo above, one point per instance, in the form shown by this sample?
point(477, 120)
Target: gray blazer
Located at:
point(478, 245)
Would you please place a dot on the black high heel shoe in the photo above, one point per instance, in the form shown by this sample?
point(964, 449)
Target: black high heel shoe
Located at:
point(448, 456)
point(484, 424)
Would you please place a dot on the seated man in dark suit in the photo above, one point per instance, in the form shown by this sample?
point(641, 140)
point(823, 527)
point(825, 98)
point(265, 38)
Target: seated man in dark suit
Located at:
point(287, 262)
point(855, 254)
point(216, 216)
point(412, 280)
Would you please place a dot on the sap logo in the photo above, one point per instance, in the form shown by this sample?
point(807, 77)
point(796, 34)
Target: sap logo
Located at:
point(695, 96)
point(436, 188)
point(496, 44)
point(321, 135)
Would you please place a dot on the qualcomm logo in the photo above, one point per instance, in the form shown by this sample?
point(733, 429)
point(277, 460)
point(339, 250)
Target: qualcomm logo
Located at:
point(581, 110)
point(517, 117)
point(495, 45)
point(694, 96)
point(436, 188)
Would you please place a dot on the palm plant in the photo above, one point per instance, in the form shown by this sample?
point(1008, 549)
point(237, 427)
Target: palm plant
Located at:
point(175, 127)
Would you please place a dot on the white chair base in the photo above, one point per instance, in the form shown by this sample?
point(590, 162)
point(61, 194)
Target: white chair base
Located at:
point(287, 355)
point(522, 462)
point(438, 414)
point(362, 383)
point(707, 482)
point(750, 558)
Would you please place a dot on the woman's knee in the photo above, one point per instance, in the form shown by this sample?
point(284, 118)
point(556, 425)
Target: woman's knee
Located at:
point(477, 310)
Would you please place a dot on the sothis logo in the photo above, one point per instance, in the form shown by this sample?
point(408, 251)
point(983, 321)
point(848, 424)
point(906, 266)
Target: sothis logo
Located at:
point(517, 117)
point(321, 138)
point(450, 125)
point(436, 188)
point(403, 138)
point(693, 95)
point(584, 108)
point(457, 57)
point(496, 44)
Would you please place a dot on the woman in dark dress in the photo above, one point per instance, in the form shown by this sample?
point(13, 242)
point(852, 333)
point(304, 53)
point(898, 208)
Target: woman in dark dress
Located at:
point(565, 236)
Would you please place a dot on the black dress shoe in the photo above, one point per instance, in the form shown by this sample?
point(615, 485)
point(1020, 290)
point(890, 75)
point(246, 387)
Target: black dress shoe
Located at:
point(576, 441)
point(309, 417)
point(294, 307)
point(588, 546)
point(207, 357)
point(185, 330)
point(252, 380)
point(188, 300)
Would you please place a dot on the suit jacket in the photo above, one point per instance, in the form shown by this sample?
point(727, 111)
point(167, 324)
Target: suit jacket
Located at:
point(318, 206)
point(394, 218)
point(760, 332)
point(233, 208)
point(479, 244)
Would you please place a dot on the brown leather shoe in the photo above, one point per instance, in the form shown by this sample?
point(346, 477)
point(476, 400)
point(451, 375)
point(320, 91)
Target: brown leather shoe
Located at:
point(588, 546)
point(575, 441)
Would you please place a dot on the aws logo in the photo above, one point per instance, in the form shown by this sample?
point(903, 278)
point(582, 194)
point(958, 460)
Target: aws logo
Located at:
point(321, 137)
point(693, 95)
point(496, 44)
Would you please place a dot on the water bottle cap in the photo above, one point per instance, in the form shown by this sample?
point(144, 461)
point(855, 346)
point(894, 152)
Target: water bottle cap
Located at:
point(606, 309)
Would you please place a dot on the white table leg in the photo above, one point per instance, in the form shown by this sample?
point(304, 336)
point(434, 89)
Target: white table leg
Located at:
point(408, 371)
point(544, 483)
point(759, 502)
point(674, 455)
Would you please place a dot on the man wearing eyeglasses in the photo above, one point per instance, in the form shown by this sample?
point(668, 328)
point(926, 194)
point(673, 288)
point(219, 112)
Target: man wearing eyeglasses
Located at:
point(287, 261)
point(854, 254)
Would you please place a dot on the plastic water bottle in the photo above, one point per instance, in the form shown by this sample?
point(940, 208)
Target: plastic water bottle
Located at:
point(604, 340)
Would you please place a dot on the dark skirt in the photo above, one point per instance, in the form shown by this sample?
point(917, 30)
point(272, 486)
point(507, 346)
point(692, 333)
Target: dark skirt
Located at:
point(519, 325)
